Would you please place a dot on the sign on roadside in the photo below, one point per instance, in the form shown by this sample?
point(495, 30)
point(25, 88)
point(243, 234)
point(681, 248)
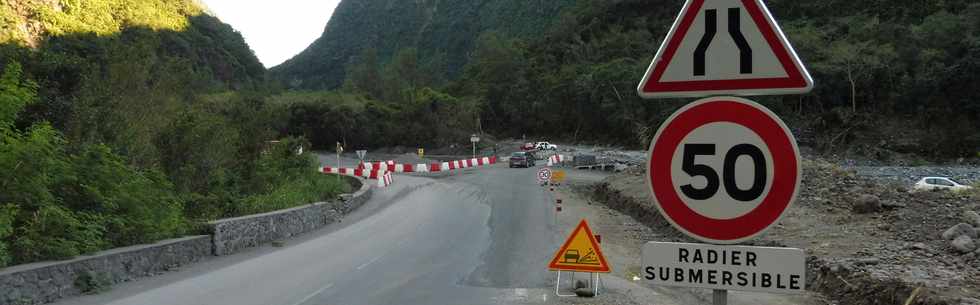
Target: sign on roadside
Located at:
point(544, 175)
point(724, 47)
point(360, 154)
point(723, 169)
point(763, 269)
point(558, 176)
point(421, 152)
point(580, 252)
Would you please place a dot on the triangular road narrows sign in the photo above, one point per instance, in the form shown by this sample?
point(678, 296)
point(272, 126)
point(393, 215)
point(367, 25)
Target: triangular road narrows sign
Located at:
point(580, 252)
point(724, 47)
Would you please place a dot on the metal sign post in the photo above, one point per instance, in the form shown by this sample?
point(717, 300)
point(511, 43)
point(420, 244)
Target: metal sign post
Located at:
point(474, 139)
point(719, 297)
point(704, 141)
point(580, 253)
point(340, 149)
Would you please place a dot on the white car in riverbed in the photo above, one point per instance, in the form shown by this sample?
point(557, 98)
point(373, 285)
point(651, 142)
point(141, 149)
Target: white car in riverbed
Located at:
point(545, 146)
point(939, 183)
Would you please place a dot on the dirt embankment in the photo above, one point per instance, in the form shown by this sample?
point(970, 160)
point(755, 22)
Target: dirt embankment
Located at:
point(867, 242)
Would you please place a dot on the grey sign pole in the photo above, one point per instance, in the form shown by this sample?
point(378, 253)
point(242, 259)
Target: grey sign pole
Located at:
point(340, 149)
point(719, 297)
point(473, 139)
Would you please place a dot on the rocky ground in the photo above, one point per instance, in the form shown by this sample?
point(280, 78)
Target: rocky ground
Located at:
point(869, 242)
point(622, 240)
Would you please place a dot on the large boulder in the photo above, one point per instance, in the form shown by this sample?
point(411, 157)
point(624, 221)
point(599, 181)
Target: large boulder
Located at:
point(964, 244)
point(866, 203)
point(958, 230)
point(972, 218)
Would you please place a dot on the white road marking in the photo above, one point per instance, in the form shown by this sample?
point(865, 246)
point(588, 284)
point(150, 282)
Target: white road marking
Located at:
point(315, 293)
point(368, 263)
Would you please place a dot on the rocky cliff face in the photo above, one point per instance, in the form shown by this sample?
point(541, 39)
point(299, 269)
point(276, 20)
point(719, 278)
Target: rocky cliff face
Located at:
point(446, 30)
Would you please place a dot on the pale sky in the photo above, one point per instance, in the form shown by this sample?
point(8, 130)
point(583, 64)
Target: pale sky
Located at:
point(275, 29)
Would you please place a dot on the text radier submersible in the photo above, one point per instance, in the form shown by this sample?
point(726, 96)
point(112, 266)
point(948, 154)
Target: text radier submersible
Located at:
point(765, 269)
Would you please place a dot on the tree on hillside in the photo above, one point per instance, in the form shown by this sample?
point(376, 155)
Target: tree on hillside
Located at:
point(496, 75)
point(856, 54)
point(364, 74)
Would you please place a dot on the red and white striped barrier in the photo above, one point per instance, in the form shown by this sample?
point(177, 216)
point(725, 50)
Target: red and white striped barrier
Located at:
point(383, 176)
point(556, 159)
point(385, 180)
point(459, 164)
point(381, 171)
point(391, 166)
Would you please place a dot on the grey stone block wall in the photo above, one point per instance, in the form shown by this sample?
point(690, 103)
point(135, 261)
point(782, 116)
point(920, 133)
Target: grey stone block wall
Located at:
point(232, 235)
point(46, 282)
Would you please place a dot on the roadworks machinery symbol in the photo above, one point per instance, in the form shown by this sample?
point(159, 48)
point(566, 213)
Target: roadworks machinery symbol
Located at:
point(580, 252)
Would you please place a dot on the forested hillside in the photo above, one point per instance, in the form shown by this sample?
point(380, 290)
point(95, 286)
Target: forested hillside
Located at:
point(129, 121)
point(893, 78)
point(444, 32)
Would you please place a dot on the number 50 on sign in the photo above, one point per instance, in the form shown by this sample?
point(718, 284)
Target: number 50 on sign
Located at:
point(723, 169)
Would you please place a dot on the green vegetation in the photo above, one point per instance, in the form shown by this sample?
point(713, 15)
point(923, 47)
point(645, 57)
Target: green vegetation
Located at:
point(381, 105)
point(441, 31)
point(894, 79)
point(126, 122)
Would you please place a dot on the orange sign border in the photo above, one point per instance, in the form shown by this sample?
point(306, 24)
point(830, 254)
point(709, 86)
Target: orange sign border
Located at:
point(603, 265)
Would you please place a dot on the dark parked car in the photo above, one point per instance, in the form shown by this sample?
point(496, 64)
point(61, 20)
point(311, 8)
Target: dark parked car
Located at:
point(521, 159)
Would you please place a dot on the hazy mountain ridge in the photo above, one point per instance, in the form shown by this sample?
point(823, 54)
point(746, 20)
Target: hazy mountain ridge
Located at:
point(445, 30)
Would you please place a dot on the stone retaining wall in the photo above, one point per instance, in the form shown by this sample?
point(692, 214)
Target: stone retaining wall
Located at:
point(236, 234)
point(46, 282)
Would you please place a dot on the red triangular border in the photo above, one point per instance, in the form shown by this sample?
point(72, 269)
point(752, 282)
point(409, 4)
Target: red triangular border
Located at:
point(603, 265)
point(794, 79)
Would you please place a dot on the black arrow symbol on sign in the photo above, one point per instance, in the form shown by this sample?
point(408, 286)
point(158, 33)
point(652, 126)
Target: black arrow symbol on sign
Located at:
point(734, 29)
point(744, 50)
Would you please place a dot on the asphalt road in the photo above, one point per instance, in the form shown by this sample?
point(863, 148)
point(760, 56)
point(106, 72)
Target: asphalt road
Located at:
point(476, 237)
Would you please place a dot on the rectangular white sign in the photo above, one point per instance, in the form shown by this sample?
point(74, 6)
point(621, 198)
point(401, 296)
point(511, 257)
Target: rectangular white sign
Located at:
point(764, 269)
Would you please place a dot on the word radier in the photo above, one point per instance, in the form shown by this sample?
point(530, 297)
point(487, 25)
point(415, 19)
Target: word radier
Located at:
point(764, 269)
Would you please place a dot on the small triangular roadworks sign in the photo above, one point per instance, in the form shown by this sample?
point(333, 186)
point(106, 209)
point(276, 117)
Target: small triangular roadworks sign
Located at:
point(724, 47)
point(580, 252)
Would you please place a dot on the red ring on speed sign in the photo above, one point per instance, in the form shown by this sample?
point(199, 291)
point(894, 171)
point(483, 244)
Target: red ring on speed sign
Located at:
point(772, 131)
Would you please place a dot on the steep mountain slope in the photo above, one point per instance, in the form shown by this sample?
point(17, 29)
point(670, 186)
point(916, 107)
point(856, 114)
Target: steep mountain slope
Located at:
point(119, 60)
point(128, 121)
point(442, 30)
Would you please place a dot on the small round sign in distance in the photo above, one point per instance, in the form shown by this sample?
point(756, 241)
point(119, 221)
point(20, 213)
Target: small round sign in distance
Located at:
point(544, 174)
point(723, 169)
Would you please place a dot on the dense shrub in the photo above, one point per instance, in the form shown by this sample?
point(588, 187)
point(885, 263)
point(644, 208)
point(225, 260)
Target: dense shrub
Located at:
point(61, 199)
point(120, 128)
point(289, 179)
point(137, 207)
point(54, 232)
point(7, 213)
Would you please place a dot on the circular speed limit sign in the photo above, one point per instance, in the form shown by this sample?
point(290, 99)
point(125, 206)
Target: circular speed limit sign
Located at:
point(544, 175)
point(723, 169)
